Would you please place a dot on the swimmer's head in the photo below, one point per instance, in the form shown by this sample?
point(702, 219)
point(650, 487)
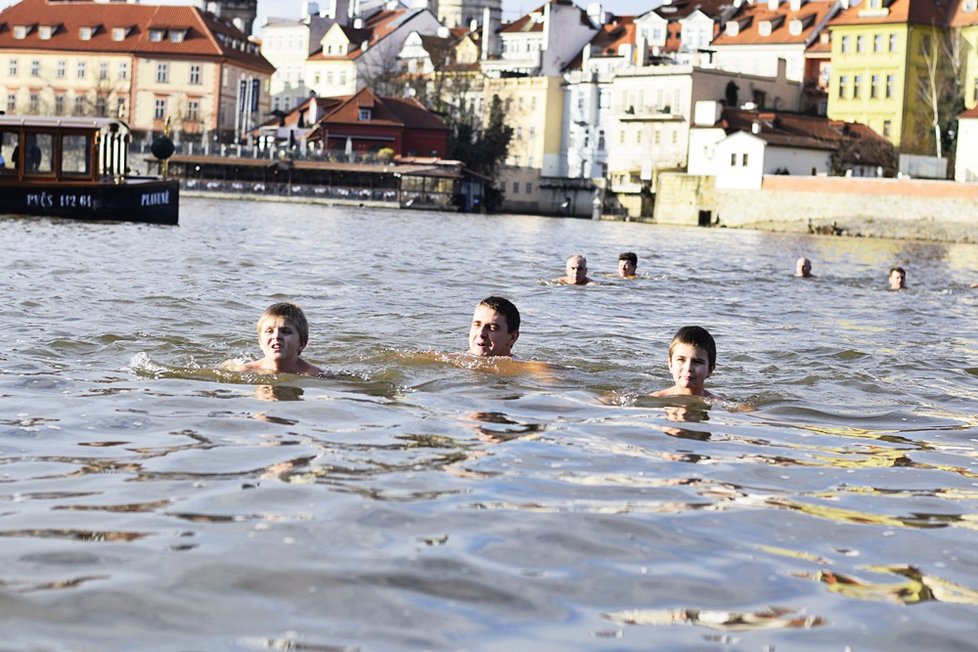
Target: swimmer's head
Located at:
point(576, 268)
point(290, 312)
point(627, 264)
point(495, 327)
point(803, 267)
point(898, 278)
point(699, 337)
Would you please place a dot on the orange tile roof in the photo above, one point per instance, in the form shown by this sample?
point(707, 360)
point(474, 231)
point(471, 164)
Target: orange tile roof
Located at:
point(795, 129)
point(394, 111)
point(811, 13)
point(205, 34)
point(914, 12)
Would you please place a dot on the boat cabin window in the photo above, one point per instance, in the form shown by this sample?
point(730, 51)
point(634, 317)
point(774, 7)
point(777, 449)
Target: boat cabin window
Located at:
point(8, 143)
point(39, 153)
point(75, 149)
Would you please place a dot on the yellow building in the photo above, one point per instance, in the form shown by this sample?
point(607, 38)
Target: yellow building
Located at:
point(880, 55)
point(142, 63)
point(534, 108)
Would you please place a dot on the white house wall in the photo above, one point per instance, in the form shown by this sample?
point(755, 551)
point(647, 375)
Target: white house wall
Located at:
point(762, 60)
point(796, 161)
point(966, 157)
point(740, 162)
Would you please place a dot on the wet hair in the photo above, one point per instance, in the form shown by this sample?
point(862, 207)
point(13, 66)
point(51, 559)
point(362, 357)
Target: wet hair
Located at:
point(696, 336)
point(630, 257)
point(900, 270)
point(505, 308)
point(291, 312)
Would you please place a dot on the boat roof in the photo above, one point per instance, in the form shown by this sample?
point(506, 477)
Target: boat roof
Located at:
point(49, 121)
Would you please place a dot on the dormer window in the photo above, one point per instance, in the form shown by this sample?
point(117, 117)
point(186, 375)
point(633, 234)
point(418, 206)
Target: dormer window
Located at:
point(21, 31)
point(795, 27)
point(364, 114)
point(970, 6)
point(178, 35)
point(764, 28)
point(85, 33)
point(120, 33)
point(45, 32)
point(157, 35)
point(733, 28)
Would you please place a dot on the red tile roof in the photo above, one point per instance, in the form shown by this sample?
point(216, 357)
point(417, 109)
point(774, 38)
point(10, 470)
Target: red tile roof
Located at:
point(913, 12)
point(970, 113)
point(205, 34)
point(396, 111)
point(811, 14)
point(795, 130)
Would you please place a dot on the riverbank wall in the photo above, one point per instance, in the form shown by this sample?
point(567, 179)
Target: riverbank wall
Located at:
point(944, 211)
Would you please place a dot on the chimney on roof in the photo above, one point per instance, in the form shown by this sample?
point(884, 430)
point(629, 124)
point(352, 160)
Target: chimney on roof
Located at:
point(755, 127)
point(310, 9)
point(596, 13)
point(443, 32)
point(358, 23)
point(473, 25)
point(214, 8)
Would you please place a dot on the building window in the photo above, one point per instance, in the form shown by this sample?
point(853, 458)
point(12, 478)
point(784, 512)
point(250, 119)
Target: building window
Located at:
point(516, 187)
point(857, 86)
point(11, 102)
point(79, 105)
point(844, 45)
point(61, 69)
point(159, 109)
point(733, 160)
point(176, 36)
point(878, 43)
point(85, 33)
point(80, 70)
point(120, 107)
point(843, 86)
point(860, 44)
point(529, 188)
point(162, 73)
point(123, 70)
point(59, 104)
point(101, 106)
point(35, 68)
point(893, 42)
point(743, 160)
point(195, 73)
point(119, 33)
point(886, 128)
point(890, 81)
point(343, 79)
point(103, 70)
point(12, 68)
point(156, 35)
point(519, 133)
point(35, 103)
point(193, 110)
point(601, 140)
point(20, 32)
point(976, 89)
point(874, 90)
point(925, 45)
point(364, 114)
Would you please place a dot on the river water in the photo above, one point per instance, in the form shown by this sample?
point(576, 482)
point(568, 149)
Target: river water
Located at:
point(150, 501)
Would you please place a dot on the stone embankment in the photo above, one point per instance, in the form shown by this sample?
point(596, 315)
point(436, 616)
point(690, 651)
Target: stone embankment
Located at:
point(943, 211)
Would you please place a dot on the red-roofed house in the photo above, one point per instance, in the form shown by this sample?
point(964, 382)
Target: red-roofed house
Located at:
point(760, 34)
point(143, 63)
point(879, 68)
point(682, 30)
point(740, 146)
point(364, 123)
point(364, 53)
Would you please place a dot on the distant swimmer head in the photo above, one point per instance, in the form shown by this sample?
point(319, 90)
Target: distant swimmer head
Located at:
point(495, 327)
point(627, 264)
point(576, 270)
point(898, 278)
point(803, 267)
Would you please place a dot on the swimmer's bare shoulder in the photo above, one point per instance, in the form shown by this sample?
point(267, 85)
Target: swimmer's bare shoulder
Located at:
point(301, 368)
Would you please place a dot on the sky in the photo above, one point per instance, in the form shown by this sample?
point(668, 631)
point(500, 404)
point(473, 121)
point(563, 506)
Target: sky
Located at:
point(512, 9)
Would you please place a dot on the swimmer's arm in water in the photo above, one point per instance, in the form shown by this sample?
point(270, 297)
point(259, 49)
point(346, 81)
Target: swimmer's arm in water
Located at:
point(301, 367)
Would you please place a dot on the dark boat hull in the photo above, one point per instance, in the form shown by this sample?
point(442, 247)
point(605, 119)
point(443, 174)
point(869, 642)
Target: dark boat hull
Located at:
point(148, 201)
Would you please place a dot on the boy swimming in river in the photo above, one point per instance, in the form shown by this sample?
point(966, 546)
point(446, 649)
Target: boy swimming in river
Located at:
point(692, 358)
point(283, 333)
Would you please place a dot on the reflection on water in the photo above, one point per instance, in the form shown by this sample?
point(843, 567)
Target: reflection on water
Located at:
point(415, 499)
